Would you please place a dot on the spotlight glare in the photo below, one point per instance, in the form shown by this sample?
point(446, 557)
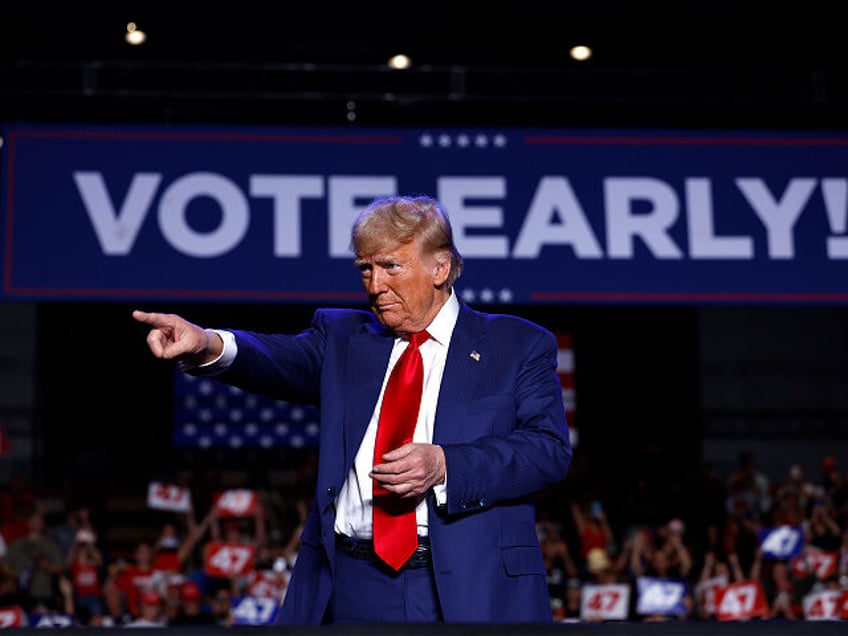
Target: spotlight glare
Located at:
point(134, 35)
point(580, 53)
point(399, 62)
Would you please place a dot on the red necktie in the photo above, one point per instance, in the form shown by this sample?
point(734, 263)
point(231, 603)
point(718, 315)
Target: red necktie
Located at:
point(395, 528)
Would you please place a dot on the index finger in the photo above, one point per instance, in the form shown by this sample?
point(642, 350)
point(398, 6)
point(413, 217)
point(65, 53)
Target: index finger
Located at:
point(153, 319)
point(398, 453)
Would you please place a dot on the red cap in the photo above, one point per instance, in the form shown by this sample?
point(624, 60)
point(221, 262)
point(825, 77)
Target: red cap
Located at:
point(190, 591)
point(149, 597)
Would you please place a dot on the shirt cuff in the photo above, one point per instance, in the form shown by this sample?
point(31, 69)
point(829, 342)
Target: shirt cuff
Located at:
point(441, 492)
point(223, 361)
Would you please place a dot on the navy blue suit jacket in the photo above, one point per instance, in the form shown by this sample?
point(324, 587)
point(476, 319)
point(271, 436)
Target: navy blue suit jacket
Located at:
point(500, 420)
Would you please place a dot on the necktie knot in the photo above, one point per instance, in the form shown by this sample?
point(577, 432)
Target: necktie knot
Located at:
point(418, 338)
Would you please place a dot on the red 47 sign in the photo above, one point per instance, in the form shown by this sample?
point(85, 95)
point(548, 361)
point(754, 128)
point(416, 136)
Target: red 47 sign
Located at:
point(604, 602)
point(236, 503)
point(12, 616)
point(741, 601)
point(822, 606)
point(228, 559)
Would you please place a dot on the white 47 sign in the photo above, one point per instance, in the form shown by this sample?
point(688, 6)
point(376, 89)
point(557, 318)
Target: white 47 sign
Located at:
point(605, 602)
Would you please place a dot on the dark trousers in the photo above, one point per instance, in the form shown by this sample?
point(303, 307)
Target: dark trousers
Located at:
point(368, 592)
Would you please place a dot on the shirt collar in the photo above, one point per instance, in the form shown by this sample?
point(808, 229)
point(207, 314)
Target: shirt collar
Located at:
point(442, 326)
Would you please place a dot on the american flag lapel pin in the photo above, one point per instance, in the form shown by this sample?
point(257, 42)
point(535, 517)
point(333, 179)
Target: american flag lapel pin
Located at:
point(475, 355)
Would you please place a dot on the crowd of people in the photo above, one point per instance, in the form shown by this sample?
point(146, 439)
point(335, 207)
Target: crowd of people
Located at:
point(67, 573)
point(724, 545)
point(63, 567)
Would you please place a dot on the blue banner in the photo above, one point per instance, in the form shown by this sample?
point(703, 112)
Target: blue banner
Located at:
point(540, 216)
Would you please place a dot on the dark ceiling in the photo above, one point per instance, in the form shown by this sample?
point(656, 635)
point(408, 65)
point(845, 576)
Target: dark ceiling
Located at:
point(689, 63)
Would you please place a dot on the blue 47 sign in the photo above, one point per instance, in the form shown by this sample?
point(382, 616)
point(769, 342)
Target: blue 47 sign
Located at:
point(781, 542)
point(254, 610)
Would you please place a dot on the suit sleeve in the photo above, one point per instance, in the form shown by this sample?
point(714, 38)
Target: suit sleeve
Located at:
point(285, 367)
point(533, 456)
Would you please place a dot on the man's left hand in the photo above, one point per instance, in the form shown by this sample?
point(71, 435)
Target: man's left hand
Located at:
point(411, 470)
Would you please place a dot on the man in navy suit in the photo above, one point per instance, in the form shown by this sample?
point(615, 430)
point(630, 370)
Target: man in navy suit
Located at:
point(490, 433)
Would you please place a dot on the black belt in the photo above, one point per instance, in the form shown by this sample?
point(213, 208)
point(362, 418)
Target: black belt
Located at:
point(363, 549)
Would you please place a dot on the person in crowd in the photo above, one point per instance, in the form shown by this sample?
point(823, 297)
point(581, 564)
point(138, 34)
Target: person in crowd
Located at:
point(127, 581)
point(752, 483)
point(192, 610)
point(661, 554)
point(151, 611)
point(559, 566)
point(798, 485)
point(84, 566)
point(405, 494)
point(64, 534)
point(8, 584)
point(593, 531)
point(17, 503)
point(221, 606)
point(719, 572)
point(37, 562)
point(822, 530)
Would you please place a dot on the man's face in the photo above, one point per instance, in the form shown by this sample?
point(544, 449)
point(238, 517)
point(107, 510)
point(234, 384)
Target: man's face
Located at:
point(404, 285)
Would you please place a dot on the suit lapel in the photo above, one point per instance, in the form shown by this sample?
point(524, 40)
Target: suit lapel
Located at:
point(466, 363)
point(368, 357)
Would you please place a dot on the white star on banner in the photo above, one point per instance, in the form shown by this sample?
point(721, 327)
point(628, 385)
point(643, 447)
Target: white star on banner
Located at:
point(481, 141)
point(505, 295)
point(468, 295)
point(426, 140)
point(487, 295)
point(462, 141)
point(444, 141)
point(499, 141)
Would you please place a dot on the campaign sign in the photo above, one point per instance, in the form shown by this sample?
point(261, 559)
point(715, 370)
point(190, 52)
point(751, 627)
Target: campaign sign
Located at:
point(252, 610)
point(12, 616)
point(741, 601)
point(239, 214)
point(822, 606)
point(823, 564)
point(268, 583)
point(657, 596)
point(705, 594)
point(163, 496)
point(236, 503)
point(781, 543)
point(604, 602)
point(228, 559)
point(843, 605)
point(51, 620)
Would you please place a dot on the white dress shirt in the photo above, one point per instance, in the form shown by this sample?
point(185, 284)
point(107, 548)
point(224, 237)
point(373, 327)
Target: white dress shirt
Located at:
point(354, 503)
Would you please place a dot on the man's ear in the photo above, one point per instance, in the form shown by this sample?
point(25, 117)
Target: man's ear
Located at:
point(441, 269)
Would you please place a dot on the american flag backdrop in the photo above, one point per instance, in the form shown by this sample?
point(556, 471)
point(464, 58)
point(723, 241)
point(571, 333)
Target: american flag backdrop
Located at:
point(565, 371)
point(209, 414)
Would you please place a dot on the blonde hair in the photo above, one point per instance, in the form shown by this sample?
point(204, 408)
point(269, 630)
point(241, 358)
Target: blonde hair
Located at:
point(399, 220)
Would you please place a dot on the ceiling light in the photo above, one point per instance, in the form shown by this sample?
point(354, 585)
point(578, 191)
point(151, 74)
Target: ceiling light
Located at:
point(399, 62)
point(134, 35)
point(580, 53)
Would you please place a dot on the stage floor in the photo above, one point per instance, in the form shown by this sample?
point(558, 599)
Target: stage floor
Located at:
point(688, 628)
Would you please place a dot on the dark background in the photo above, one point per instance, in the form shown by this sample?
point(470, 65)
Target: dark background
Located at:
point(659, 387)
